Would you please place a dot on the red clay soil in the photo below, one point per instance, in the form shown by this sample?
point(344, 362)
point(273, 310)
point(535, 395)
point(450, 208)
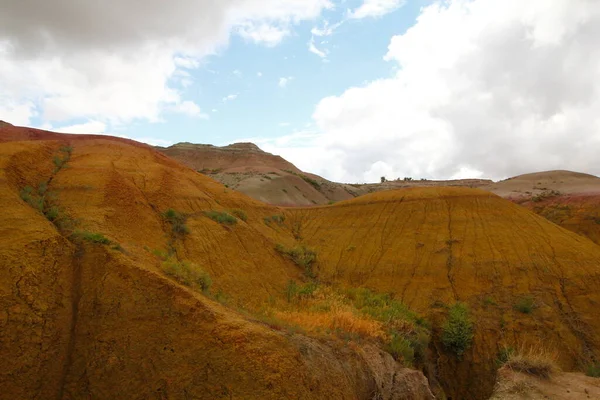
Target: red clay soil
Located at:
point(85, 320)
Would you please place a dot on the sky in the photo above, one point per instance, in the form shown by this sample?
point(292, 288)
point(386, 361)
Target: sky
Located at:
point(351, 90)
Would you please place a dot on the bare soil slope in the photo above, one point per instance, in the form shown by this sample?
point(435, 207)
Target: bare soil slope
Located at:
point(569, 199)
point(258, 174)
point(98, 319)
point(87, 318)
point(513, 385)
point(432, 247)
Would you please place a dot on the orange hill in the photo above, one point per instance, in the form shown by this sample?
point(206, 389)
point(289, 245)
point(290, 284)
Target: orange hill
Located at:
point(94, 314)
point(569, 199)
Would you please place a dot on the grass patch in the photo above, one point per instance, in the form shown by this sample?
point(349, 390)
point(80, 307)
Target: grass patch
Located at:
point(525, 305)
point(593, 370)
point(533, 361)
point(301, 256)
point(221, 217)
point(311, 181)
point(188, 274)
point(241, 214)
point(457, 332)
point(278, 219)
point(177, 221)
point(93, 237)
point(353, 314)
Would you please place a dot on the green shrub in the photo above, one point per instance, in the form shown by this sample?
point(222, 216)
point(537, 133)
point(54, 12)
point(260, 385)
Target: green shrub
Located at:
point(188, 274)
point(593, 370)
point(93, 237)
point(311, 181)
point(279, 219)
point(221, 217)
point(457, 332)
point(504, 355)
point(177, 221)
point(401, 349)
point(291, 290)
point(302, 256)
point(525, 305)
point(52, 213)
point(241, 214)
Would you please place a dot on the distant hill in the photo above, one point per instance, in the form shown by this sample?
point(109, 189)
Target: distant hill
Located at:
point(569, 199)
point(261, 175)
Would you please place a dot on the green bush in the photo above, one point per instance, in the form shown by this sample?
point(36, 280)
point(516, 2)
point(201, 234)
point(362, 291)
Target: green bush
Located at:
point(593, 370)
point(241, 214)
point(221, 217)
point(311, 181)
point(279, 219)
point(525, 305)
point(188, 274)
point(457, 332)
point(401, 349)
point(93, 237)
point(302, 256)
point(177, 221)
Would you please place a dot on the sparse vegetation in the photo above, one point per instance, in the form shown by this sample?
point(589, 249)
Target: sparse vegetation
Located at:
point(302, 256)
point(311, 181)
point(60, 161)
point(241, 214)
point(457, 332)
point(593, 370)
point(278, 219)
point(533, 361)
point(525, 305)
point(188, 274)
point(358, 313)
point(93, 237)
point(504, 355)
point(221, 217)
point(177, 221)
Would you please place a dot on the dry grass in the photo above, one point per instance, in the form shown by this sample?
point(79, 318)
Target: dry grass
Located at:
point(337, 321)
point(518, 387)
point(534, 360)
point(326, 310)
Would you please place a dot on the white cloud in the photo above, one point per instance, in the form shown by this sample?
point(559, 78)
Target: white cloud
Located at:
point(327, 29)
point(117, 64)
point(91, 127)
point(313, 49)
point(259, 74)
point(376, 8)
point(230, 97)
point(191, 109)
point(237, 73)
point(266, 34)
point(284, 124)
point(489, 88)
point(16, 113)
point(283, 82)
